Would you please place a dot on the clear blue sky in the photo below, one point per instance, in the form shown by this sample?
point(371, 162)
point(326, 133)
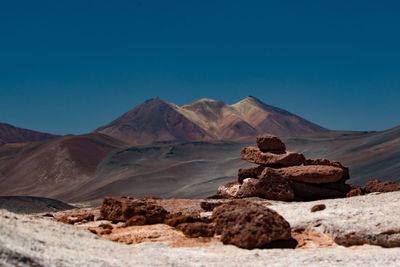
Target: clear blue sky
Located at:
point(72, 66)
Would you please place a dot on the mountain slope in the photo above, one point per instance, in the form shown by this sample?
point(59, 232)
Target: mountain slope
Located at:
point(205, 120)
point(154, 121)
point(55, 168)
point(90, 167)
point(269, 119)
point(12, 134)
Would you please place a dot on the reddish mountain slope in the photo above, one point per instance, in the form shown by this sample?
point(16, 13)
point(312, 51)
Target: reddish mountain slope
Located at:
point(12, 134)
point(153, 121)
point(205, 120)
point(269, 119)
point(55, 168)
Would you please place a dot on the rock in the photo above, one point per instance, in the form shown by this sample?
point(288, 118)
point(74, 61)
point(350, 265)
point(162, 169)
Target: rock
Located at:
point(305, 191)
point(318, 207)
point(210, 204)
point(178, 218)
point(270, 143)
point(315, 174)
point(355, 190)
point(121, 209)
point(249, 173)
point(271, 187)
point(197, 229)
point(76, 218)
point(378, 186)
point(254, 155)
point(136, 220)
point(249, 225)
point(327, 162)
point(228, 190)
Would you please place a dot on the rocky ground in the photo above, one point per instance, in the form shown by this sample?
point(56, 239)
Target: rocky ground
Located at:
point(350, 231)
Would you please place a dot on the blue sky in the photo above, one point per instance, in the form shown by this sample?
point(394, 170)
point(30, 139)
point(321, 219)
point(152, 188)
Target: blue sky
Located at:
point(72, 66)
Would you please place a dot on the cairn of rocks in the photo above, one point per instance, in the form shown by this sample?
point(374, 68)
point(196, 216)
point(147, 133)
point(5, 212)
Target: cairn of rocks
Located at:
point(286, 176)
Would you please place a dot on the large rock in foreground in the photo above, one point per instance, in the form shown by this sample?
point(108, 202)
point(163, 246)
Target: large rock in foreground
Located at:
point(255, 155)
point(249, 225)
point(315, 174)
point(139, 211)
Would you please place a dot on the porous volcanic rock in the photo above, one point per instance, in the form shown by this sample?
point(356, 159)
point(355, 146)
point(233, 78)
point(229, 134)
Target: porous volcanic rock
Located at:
point(306, 191)
point(378, 186)
point(228, 190)
point(270, 143)
point(176, 219)
point(318, 207)
point(121, 209)
point(269, 187)
point(249, 173)
point(197, 229)
point(355, 190)
point(315, 174)
point(327, 162)
point(249, 225)
point(255, 155)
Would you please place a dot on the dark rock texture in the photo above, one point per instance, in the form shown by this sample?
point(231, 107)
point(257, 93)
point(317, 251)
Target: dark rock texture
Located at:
point(255, 155)
point(249, 173)
point(197, 229)
point(378, 186)
point(121, 209)
point(269, 187)
point(327, 162)
point(315, 174)
point(306, 191)
point(249, 225)
point(270, 143)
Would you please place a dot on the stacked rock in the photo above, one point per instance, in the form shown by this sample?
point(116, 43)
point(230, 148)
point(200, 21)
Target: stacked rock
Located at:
point(286, 176)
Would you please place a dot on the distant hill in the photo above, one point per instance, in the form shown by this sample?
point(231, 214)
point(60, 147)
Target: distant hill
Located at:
point(205, 120)
point(89, 167)
point(27, 204)
point(12, 134)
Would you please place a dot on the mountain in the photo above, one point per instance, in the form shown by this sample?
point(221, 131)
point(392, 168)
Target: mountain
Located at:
point(55, 168)
point(205, 120)
point(155, 121)
point(89, 167)
point(12, 134)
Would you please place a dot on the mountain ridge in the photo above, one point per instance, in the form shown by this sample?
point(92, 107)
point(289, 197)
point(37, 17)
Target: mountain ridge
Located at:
point(205, 120)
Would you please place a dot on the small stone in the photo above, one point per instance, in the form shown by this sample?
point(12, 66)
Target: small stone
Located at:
point(270, 143)
point(318, 207)
point(228, 190)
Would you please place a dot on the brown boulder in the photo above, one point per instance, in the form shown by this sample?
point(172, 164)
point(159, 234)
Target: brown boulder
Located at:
point(249, 173)
point(270, 143)
point(228, 190)
point(327, 162)
point(249, 225)
point(255, 155)
point(178, 218)
point(309, 174)
point(197, 229)
point(306, 191)
point(378, 186)
point(271, 187)
point(355, 190)
point(121, 209)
